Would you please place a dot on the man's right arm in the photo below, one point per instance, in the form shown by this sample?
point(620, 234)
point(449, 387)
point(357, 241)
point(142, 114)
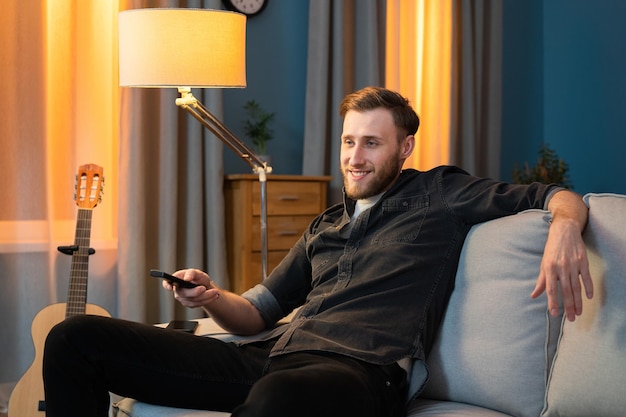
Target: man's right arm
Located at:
point(231, 311)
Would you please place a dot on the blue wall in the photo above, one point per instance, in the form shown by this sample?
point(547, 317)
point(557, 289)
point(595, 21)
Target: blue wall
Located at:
point(522, 84)
point(585, 89)
point(570, 56)
point(564, 83)
point(276, 56)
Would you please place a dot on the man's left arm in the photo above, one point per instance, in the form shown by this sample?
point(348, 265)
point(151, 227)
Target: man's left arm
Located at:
point(565, 262)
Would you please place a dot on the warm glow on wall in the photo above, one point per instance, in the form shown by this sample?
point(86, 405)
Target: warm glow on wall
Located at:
point(418, 65)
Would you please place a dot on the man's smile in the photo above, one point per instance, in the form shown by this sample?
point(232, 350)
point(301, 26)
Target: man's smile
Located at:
point(359, 174)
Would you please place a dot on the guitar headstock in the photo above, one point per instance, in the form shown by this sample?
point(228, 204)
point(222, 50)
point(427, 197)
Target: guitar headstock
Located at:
point(89, 185)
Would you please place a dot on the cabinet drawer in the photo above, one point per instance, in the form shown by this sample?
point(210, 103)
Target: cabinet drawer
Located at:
point(289, 197)
point(282, 231)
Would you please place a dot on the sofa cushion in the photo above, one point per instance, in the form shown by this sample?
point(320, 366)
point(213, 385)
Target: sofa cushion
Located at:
point(496, 343)
point(427, 408)
point(128, 407)
point(589, 369)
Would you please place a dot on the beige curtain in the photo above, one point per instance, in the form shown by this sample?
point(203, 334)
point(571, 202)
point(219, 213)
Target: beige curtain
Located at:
point(171, 203)
point(163, 187)
point(345, 53)
point(418, 65)
point(58, 79)
point(446, 57)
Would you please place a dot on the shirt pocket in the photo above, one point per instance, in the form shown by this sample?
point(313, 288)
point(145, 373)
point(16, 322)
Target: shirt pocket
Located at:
point(320, 249)
point(401, 219)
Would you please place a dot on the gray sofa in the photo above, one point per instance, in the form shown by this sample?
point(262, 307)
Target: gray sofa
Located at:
point(498, 352)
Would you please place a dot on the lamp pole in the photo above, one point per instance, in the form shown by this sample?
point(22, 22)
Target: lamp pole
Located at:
point(192, 105)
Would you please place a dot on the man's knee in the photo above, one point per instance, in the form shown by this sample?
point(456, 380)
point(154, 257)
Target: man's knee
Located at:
point(61, 331)
point(80, 329)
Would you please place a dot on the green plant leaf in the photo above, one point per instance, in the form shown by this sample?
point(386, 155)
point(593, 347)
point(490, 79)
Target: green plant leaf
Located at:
point(548, 170)
point(256, 126)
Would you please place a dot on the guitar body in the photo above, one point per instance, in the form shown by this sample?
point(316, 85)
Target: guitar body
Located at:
point(28, 396)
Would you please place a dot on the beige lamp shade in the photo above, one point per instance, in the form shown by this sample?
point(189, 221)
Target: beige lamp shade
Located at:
point(182, 48)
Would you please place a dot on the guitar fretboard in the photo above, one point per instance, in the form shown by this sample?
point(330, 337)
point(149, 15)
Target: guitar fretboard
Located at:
point(77, 292)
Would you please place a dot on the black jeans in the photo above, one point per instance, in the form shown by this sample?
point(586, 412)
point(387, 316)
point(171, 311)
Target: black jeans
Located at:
point(86, 357)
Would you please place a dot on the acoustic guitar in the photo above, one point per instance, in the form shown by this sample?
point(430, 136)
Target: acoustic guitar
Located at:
point(27, 399)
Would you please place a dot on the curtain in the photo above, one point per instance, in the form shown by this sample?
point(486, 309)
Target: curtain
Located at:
point(171, 202)
point(345, 53)
point(163, 173)
point(58, 78)
point(418, 66)
point(476, 86)
point(445, 56)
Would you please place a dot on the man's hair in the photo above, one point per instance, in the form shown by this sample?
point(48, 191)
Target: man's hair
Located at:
point(370, 98)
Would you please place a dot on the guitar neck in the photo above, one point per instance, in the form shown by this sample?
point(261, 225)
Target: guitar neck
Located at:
point(79, 271)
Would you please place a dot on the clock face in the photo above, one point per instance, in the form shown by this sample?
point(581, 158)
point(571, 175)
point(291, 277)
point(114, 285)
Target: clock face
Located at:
point(247, 7)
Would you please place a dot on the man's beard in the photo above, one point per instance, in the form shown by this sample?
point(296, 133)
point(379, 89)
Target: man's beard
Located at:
point(381, 181)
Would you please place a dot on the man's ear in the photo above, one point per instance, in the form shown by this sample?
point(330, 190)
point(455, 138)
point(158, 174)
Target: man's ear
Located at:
point(408, 144)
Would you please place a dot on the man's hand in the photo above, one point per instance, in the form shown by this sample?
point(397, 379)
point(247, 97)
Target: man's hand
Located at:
point(200, 296)
point(231, 311)
point(565, 265)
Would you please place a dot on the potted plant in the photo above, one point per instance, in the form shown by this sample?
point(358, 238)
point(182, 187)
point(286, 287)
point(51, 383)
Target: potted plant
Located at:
point(549, 170)
point(256, 127)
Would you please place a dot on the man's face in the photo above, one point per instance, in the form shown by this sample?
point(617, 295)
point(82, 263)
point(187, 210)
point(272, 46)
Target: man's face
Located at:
point(371, 157)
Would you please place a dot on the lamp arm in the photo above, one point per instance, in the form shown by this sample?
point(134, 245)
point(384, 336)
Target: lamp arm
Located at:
point(192, 105)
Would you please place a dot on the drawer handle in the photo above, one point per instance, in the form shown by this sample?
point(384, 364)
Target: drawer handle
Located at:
point(289, 198)
point(287, 233)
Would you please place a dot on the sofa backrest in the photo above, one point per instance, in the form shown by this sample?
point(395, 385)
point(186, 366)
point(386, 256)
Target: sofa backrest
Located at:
point(496, 344)
point(498, 348)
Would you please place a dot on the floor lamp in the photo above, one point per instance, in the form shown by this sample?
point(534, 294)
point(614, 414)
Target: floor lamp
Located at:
point(191, 48)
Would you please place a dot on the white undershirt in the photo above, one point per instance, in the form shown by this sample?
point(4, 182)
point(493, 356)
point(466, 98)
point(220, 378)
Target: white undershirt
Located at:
point(360, 207)
point(364, 204)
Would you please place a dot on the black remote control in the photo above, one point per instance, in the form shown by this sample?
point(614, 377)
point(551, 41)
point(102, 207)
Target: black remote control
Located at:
point(172, 279)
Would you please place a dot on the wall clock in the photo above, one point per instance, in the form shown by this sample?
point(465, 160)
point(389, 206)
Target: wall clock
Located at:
point(247, 7)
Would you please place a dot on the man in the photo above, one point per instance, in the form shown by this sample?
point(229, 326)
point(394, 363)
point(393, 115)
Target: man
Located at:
point(371, 278)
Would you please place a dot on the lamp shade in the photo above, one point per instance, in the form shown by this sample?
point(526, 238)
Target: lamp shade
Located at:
point(182, 48)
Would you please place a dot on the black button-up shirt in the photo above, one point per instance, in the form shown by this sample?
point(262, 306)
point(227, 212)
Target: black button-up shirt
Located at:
point(379, 293)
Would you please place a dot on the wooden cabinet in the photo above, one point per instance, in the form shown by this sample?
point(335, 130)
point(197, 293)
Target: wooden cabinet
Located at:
point(292, 202)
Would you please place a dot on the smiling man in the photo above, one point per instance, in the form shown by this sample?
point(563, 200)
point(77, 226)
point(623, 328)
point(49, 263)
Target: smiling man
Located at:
point(370, 278)
point(373, 151)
